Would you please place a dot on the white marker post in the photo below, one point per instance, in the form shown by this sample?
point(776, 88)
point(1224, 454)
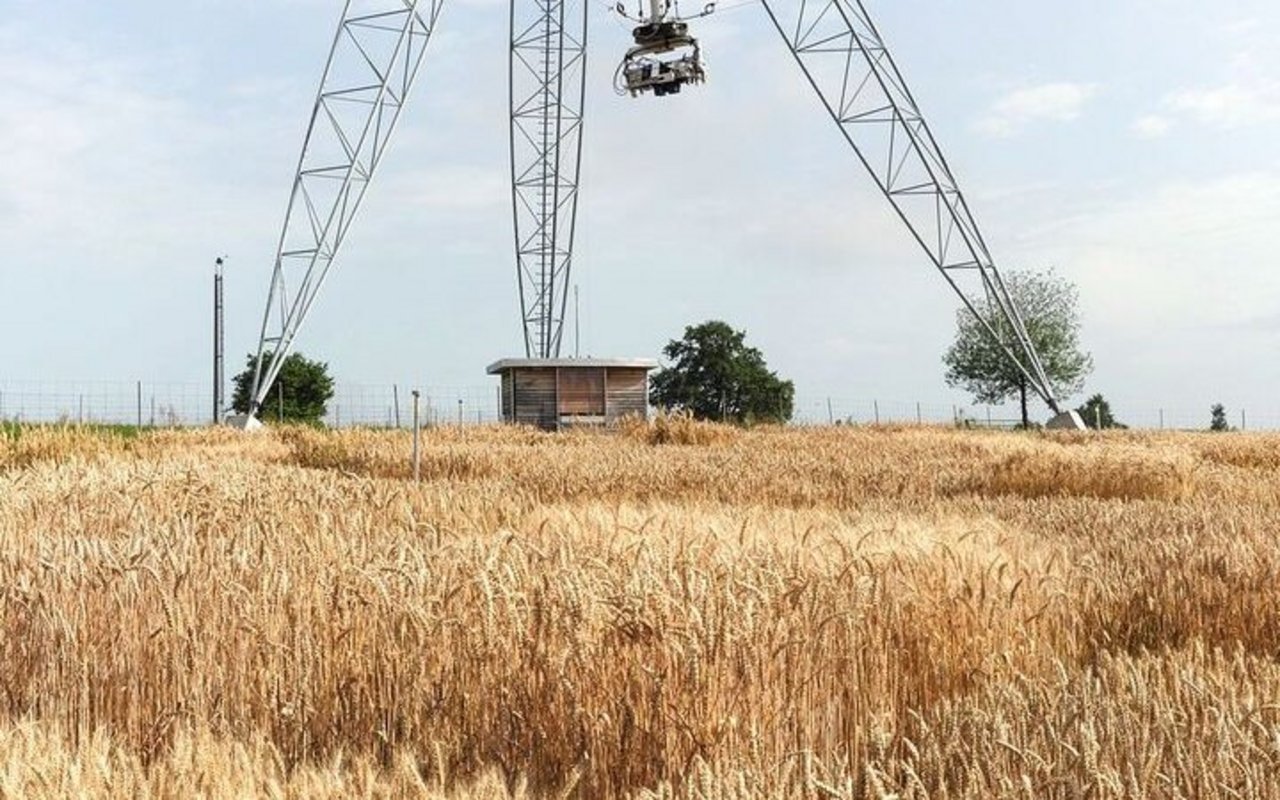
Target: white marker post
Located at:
point(417, 429)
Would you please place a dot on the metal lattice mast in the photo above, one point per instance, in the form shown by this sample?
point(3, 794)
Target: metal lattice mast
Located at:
point(547, 94)
point(375, 57)
point(846, 60)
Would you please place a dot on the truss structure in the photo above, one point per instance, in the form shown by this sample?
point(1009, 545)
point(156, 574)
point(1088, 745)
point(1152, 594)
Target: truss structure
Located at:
point(845, 59)
point(376, 55)
point(372, 64)
point(547, 92)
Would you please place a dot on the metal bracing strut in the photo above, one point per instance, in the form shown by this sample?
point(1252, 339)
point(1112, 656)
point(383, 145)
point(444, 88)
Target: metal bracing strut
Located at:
point(845, 59)
point(375, 57)
point(547, 93)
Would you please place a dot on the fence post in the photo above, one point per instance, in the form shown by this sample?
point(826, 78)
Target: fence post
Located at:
point(460, 423)
point(417, 430)
point(139, 404)
point(395, 394)
point(80, 412)
point(1244, 423)
point(919, 416)
point(1097, 417)
point(875, 404)
point(831, 417)
point(1162, 419)
point(988, 416)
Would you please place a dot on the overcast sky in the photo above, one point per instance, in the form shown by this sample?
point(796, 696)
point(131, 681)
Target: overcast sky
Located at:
point(1134, 146)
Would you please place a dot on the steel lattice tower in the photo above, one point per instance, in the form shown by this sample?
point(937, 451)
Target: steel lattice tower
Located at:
point(547, 91)
point(371, 68)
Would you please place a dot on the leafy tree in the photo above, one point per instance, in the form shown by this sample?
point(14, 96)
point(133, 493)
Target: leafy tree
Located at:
point(1048, 304)
point(714, 375)
point(1218, 418)
point(1096, 413)
point(307, 390)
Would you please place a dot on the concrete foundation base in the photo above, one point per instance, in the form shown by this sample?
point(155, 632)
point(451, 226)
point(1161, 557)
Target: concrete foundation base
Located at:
point(244, 422)
point(1067, 421)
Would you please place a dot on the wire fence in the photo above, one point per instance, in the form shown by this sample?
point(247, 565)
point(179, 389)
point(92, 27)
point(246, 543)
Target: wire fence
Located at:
point(170, 404)
point(829, 411)
point(390, 405)
point(159, 404)
point(139, 403)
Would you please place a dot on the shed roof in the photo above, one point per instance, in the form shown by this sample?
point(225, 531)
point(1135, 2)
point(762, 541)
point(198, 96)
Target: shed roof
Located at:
point(499, 367)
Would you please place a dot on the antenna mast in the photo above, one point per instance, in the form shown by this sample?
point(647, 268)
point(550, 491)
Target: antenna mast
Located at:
point(219, 346)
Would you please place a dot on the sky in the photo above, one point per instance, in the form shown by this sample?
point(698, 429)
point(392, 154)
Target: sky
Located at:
point(1134, 147)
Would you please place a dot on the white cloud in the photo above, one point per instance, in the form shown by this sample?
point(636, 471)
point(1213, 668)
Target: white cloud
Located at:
point(1050, 102)
point(1175, 256)
point(1151, 126)
point(1231, 105)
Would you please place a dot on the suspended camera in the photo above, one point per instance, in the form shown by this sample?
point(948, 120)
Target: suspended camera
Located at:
point(665, 57)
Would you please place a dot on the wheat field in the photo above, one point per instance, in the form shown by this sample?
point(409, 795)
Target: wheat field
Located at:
point(675, 611)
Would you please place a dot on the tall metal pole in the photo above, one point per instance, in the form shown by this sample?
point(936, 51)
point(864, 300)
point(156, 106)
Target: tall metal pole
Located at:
point(219, 346)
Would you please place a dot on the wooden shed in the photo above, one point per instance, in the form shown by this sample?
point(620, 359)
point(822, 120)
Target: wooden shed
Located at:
point(558, 393)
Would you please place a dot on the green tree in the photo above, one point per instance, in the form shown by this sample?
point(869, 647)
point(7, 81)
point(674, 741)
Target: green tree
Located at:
point(714, 375)
point(1096, 413)
point(1218, 418)
point(1049, 308)
point(306, 393)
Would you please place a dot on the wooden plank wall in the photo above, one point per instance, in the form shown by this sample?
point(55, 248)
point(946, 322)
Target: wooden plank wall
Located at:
point(626, 393)
point(546, 397)
point(508, 396)
point(535, 398)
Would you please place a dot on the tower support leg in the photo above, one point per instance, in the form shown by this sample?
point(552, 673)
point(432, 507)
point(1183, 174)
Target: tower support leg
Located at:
point(372, 65)
point(845, 59)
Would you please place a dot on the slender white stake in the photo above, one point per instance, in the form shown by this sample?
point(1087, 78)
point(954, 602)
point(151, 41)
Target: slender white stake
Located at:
point(417, 451)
